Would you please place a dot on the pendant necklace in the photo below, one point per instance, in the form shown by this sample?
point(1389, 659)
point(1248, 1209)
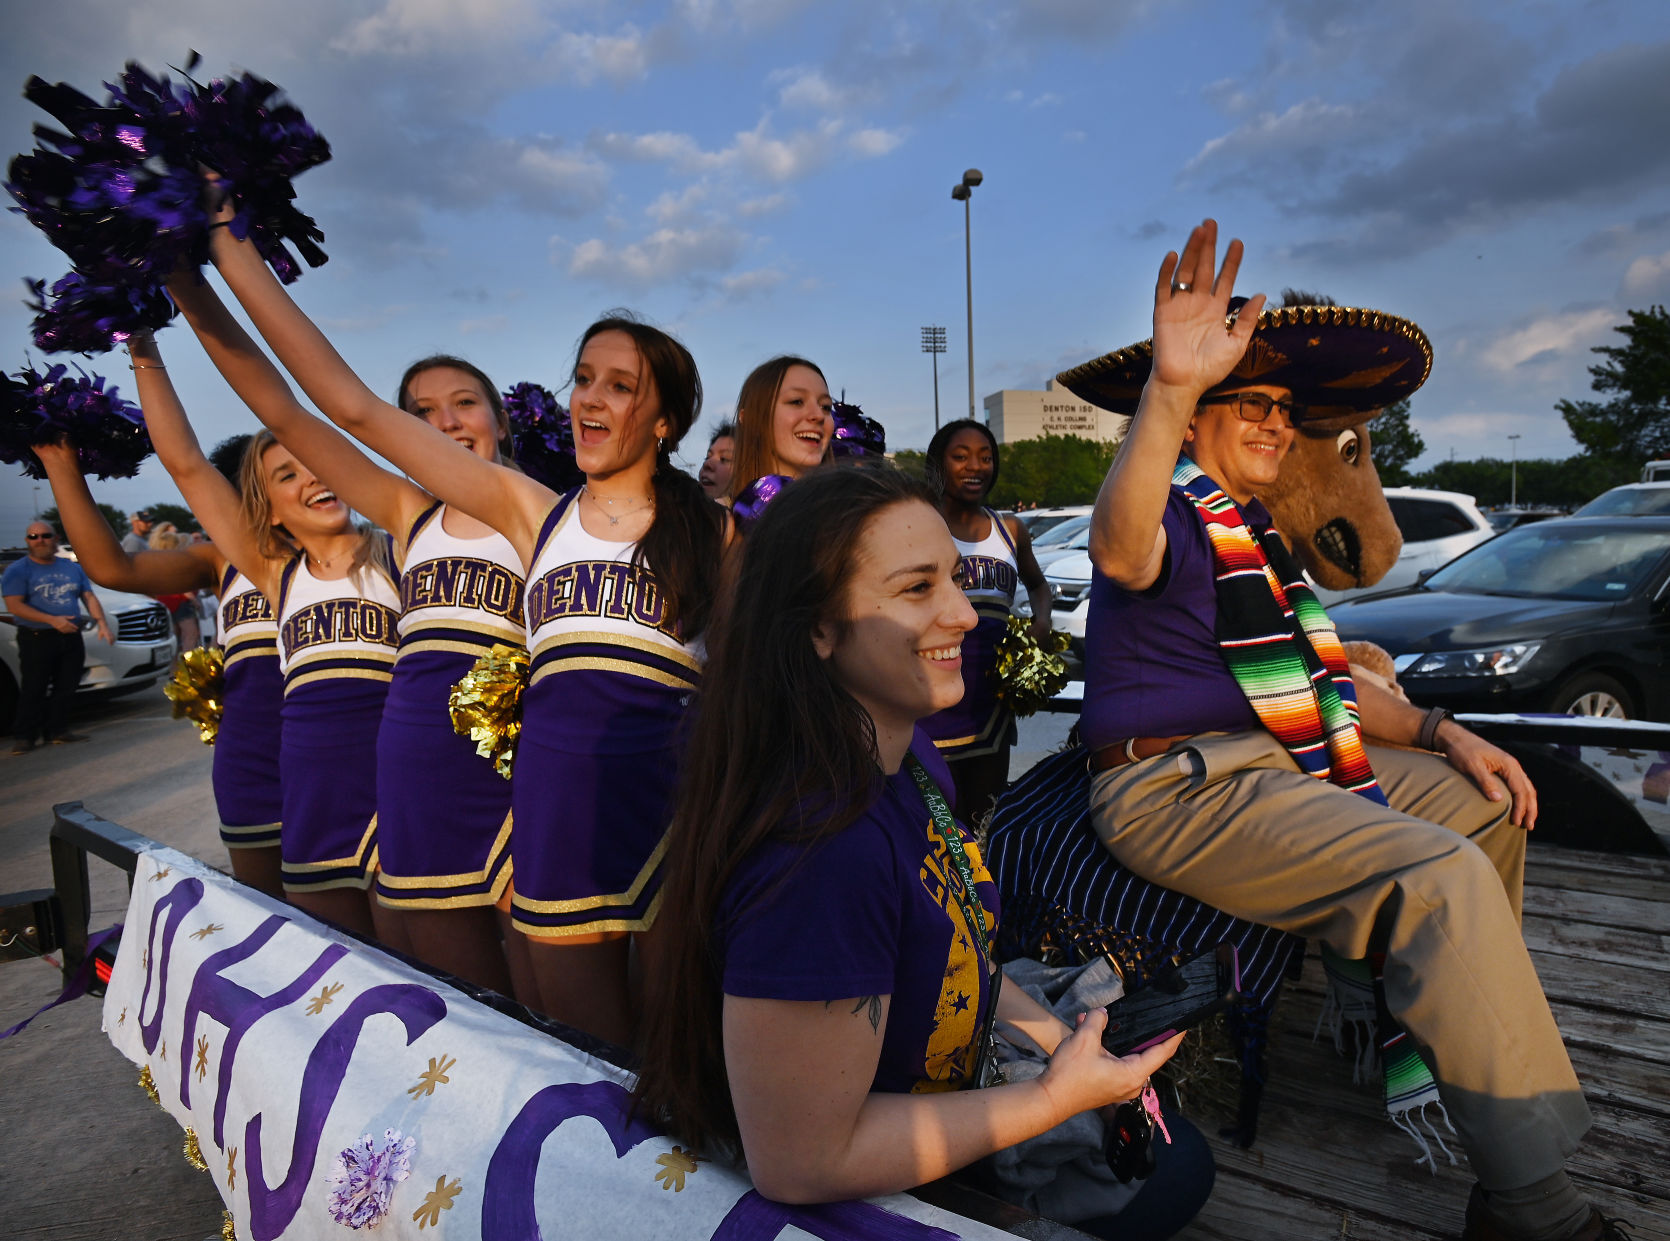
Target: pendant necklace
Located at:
point(598, 502)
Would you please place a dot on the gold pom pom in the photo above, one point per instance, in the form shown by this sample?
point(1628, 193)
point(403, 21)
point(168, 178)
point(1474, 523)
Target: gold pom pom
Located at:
point(1029, 675)
point(194, 1152)
point(198, 689)
point(486, 704)
point(227, 1231)
point(148, 1084)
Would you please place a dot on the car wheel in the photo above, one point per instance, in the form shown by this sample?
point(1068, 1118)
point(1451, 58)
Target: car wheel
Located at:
point(1593, 694)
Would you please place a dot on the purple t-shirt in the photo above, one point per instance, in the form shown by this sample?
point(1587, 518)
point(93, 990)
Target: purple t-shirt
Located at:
point(1152, 663)
point(870, 911)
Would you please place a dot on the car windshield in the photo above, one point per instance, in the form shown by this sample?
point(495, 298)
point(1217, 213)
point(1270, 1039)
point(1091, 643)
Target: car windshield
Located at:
point(1556, 562)
point(1627, 502)
point(1060, 533)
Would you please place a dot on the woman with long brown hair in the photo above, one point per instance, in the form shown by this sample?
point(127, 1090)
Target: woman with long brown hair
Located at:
point(827, 973)
point(783, 422)
point(621, 574)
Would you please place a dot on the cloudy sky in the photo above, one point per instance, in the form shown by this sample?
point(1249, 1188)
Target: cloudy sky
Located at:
point(768, 176)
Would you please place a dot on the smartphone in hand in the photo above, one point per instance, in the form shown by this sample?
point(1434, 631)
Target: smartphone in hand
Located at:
point(1176, 999)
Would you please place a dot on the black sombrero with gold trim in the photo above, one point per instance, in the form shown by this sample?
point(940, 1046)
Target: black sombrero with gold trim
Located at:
point(1341, 363)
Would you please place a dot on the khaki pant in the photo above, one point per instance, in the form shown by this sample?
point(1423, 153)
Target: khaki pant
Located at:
point(1435, 884)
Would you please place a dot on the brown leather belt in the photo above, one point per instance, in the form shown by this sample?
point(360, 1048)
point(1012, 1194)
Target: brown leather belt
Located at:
point(1131, 750)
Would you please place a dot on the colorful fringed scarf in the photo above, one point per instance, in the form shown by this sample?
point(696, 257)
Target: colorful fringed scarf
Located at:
point(1279, 644)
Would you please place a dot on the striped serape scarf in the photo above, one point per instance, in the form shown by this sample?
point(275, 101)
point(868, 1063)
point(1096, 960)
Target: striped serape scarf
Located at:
point(1279, 644)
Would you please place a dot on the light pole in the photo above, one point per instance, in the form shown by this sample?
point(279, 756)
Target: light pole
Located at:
point(962, 192)
point(1513, 486)
point(933, 341)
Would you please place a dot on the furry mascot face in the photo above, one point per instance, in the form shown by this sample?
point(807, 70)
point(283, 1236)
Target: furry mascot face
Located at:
point(1329, 503)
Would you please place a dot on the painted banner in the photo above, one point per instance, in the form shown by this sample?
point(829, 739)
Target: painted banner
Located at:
point(333, 1089)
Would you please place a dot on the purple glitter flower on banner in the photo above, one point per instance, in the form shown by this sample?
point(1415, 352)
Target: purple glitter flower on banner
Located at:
point(752, 499)
point(855, 434)
point(543, 436)
point(35, 408)
point(90, 316)
point(363, 1178)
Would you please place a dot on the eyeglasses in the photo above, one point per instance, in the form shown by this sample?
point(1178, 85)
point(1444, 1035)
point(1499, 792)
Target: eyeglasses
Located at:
point(1256, 406)
point(37, 536)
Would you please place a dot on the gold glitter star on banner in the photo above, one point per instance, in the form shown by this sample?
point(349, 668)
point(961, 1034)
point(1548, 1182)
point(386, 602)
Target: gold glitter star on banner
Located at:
point(145, 959)
point(202, 1066)
point(434, 1075)
point(162, 1049)
point(676, 1164)
point(205, 932)
point(232, 1168)
point(123, 1019)
point(439, 1199)
point(161, 874)
point(317, 1004)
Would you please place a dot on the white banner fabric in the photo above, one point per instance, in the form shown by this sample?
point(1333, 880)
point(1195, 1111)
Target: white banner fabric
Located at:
point(335, 1090)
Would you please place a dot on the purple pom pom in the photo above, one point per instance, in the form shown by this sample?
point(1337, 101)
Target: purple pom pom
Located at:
point(752, 499)
point(855, 434)
point(87, 316)
point(108, 432)
point(120, 192)
point(543, 436)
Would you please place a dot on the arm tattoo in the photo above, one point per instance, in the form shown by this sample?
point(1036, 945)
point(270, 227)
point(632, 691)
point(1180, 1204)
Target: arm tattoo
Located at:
point(873, 1003)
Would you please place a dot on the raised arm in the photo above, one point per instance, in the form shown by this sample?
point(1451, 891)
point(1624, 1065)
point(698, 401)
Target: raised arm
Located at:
point(389, 500)
point(510, 502)
point(824, 1135)
point(1192, 352)
point(101, 557)
point(212, 500)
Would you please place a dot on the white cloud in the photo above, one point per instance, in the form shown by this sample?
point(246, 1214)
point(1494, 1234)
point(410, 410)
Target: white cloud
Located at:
point(1545, 337)
point(1048, 99)
point(874, 143)
point(1309, 127)
point(581, 59)
point(746, 283)
point(666, 255)
point(418, 27)
point(669, 208)
point(764, 205)
point(1648, 276)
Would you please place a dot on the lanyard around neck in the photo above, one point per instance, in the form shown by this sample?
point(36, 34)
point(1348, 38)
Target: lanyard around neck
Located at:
point(968, 900)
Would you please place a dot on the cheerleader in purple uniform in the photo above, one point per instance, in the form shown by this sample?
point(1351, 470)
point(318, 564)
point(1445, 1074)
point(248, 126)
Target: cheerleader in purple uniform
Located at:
point(621, 575)
point(975, 735)
point(335, 604)
point(245, 773)
point(443, 812)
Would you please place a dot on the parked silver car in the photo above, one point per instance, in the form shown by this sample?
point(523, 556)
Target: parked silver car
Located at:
point(143, 649)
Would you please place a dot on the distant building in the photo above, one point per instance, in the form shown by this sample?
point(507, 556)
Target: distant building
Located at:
point(1023, 414)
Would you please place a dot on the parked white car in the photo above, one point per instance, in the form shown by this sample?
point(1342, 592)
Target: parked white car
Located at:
point(143, 651)
point(1437, 527)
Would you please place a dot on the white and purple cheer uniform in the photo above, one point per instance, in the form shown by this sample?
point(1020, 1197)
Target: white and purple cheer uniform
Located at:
point(338, 642)
point(597, 761)
point(248, 795)
point(443, 812)
point(980, 723)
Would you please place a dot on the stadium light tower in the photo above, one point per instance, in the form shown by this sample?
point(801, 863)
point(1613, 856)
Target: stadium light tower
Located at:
point(933, 341)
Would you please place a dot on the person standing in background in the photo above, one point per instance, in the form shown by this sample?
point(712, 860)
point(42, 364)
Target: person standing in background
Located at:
point(45, 593)
point(138, 537)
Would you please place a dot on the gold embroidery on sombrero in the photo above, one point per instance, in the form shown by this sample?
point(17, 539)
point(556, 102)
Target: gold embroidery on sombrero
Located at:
point(1367, 378)
point(1260, 359)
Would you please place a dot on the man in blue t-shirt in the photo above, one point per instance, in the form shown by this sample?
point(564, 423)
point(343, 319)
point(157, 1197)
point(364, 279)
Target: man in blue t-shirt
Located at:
point(44, 594)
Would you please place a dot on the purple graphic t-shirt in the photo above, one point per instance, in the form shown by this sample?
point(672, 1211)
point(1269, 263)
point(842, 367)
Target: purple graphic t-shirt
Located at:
point(870, 911)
